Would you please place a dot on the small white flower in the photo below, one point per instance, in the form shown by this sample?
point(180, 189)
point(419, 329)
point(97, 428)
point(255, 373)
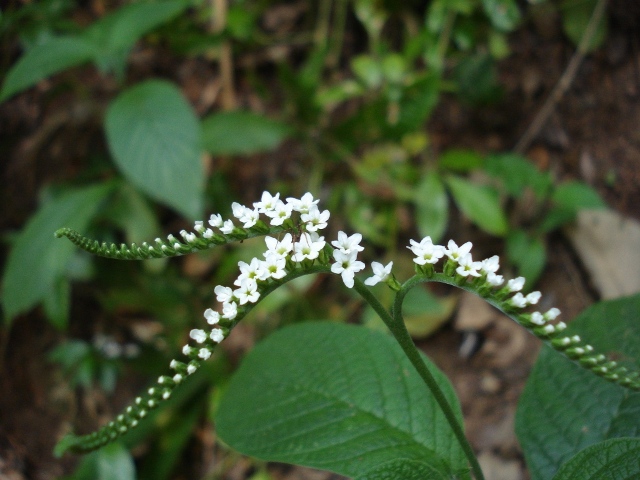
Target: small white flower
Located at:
point(227, 227)
point(204, 353)
point(518, 300)
point(348, 244)
point(216, 335)
point(177, 378)
point(494, 280)
point(515, 284)
point(346, 265)
point(280, 213)
point(267, 202)
point(467, 267)
point(304, 204)
point(215, 220)
point(223, 294)
point(273, 267)
point(248, 291)
point(186, 350)
point(238, 210)
point(454, 252)
point(252, 270)
point(426, 251)
point(279, 247)
point(537, 318)
point(380, 273)
point(198, 335)
point(491, 265)
point(533, 298)
point(315, 220)
point(199, 226)
point(552, 314)
point(191, 369)
point(212, 316)
point(308, 247)
point(229, 310)
point(249, 218)
point(208, 233)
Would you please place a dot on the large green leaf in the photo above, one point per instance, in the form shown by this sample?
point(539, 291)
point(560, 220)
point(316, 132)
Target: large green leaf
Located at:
point(55, 55)
point(154, 137)
point(481, 204)
point(238, 132)
point(503, 14)
point(112, 462)
point(565, 408)
point(615, 459)
point(432, 207)
point(517, 174)
point(37, 261)
point(568, 199)
point(528, 254)
point(340, 398)
point(575, 18)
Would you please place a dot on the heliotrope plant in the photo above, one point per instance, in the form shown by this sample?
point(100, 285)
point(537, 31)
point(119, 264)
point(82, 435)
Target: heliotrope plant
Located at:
point(294, 247)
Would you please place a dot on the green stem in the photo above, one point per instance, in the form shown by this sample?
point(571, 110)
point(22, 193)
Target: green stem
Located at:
point(397, 327)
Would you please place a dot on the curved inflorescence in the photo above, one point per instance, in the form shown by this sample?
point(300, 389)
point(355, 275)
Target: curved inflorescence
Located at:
point(294, 248)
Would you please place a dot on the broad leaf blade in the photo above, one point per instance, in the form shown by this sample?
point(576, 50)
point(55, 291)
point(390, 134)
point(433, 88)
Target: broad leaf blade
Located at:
point(518, 174)
point(154, 137)
point(44, 60)
point(503, 14)
point(37, 261)
point(340, 398)
point(238, 132)
point(565, 408)
point(432, 207)
point(615, 459)
point(481, 204)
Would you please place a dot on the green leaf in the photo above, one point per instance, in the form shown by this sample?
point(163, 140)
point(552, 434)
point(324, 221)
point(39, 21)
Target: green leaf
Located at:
point(367, 70)
point(405, 470)
point(112, 462)
point(568, 199)
point(517, 173)
point(528, 254)
point(575, 18)
point(154, 137)
point(37, 260)
point(481, 204)
point(340, 398)
point(55, 55)
point(477, 80)
point(417, 103)
point(460, 160)
point(240, 133)
point(565, 408)
point(503, 14)
point(615, 459)
point(432, 207)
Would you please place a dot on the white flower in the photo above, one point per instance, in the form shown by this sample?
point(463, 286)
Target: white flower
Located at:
point(537, 318)
point(454, 252)
point(533, 298)
point(238, 210)
point(186, 350)
point(249, 217)
point(216, 335)
point(315, 220)
point(267, 202)
point(304, 204)
point(199, 226)
point(346, 265)
point(273, 266)
point(215, 220)
point(380, 273)
point(494, 280)
point(308, 247)
point(223, 294)
point(204, 353)
point(518, 300)
point(279, 247)
point(426, 251)
point(252, 270)
point(198, 335)
point(227, 227)
point(491, 265)
point(467, 267)
point(208, 233)
point(212, 316)
point(552, 314)
point(280, 213)
point(229, 310)
point(348, 244)
point(515, 284)
point(248, 291)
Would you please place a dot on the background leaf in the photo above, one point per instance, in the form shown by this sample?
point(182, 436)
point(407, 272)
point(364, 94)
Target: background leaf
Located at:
point(37, 261)
point(503, 14)
point(154, 137)
point(575, 18)
point(615, 459)
point(480, 204)
point(112, 462)
point(567, 200)
point(565, 408)
point(238, 133)
point(528, 254)
point(43, 60)
point(517, 174)
point(336, 397)
point(459, 160)
point(432, 207)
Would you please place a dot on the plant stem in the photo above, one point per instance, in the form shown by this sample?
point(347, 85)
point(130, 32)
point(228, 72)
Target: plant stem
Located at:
point(397, 327)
